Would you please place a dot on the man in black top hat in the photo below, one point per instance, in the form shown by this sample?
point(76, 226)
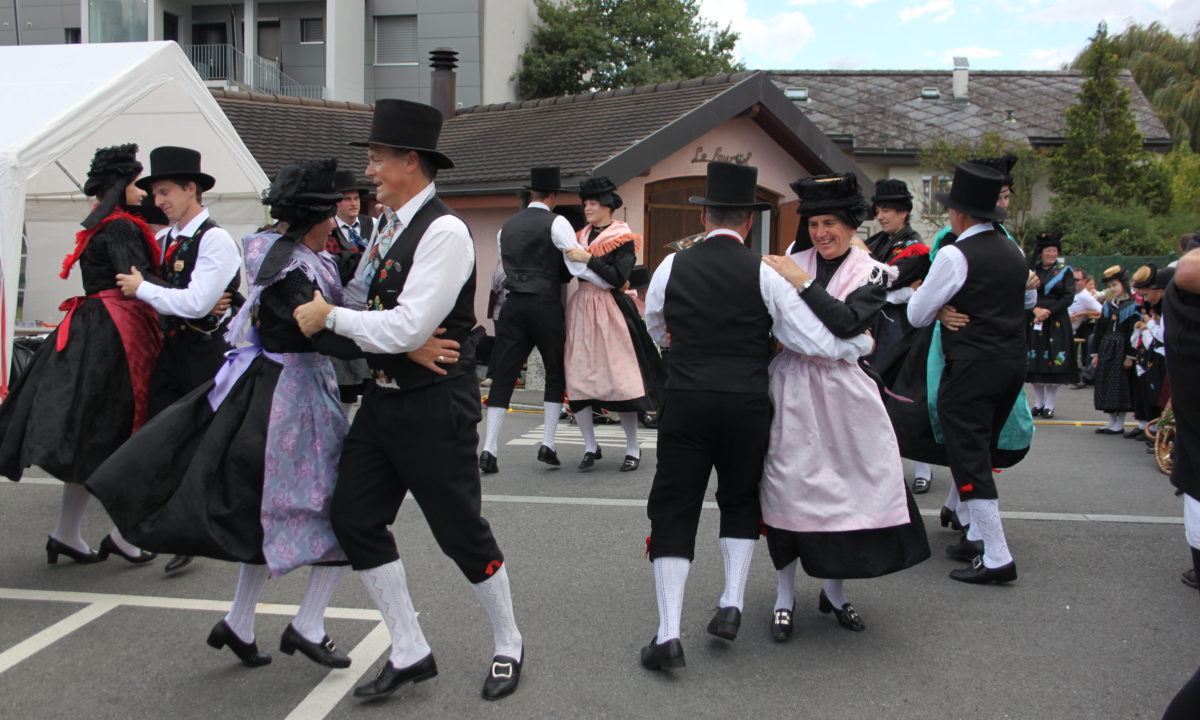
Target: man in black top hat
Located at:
point(200, 275)
point(532, 244)
point(415, 431)
point(352, 228)
point(983, 276)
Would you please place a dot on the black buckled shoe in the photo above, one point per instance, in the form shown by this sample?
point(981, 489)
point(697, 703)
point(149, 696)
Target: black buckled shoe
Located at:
point(1108, 431)
point(589, 459)
point(965, 550)
point(781, 623)
point(1048, 414)
point(631, 463)
point(666, 656)
point(178, 562)
point(503, 677)
point(109, 547)
point(390, 678)
point(222, 635)
point(1036, 412)
point(949, 518)
point(980, 574)
point(1136, 434)
point(921, 485)
point(725, 623)
point(322, 653)
point(846, 615)
point(546, 455)
point(54, 548)
point(487, 463)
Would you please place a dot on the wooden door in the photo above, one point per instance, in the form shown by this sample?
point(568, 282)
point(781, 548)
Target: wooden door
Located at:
point(670, 217)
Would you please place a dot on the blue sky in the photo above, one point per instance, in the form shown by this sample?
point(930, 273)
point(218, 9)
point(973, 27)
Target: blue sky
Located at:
point(926, 34)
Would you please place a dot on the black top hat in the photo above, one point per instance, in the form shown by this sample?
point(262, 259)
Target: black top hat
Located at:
point(892, 193)
point(176, 163)
point(731, 186)
point(639, 277)
point(344, 181)
point(836, 194)
point(600, 189)
point(544, 179)
point(975, 190)
point(1049, 239)
point(407, 125)
point(1002, 165)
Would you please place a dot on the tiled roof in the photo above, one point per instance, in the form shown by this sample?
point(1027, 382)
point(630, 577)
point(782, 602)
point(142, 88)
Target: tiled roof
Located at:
point(881, 110)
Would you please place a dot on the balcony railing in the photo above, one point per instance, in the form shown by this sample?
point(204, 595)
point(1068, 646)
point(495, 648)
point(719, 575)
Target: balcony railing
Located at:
point(225, 62)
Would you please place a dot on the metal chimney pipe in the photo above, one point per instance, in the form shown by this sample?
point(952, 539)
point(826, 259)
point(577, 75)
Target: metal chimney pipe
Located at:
point(442, 84)
point(959, 81)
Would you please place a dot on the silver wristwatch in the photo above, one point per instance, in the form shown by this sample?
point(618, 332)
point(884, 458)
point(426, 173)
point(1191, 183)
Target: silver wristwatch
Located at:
point(331, 320)
point(807, 284)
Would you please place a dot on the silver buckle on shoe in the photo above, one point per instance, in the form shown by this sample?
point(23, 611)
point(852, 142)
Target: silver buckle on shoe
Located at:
point(502, 670)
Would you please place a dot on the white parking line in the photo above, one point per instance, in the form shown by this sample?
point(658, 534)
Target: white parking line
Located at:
point(334, 686)
point(54, 633)
point(170, 603)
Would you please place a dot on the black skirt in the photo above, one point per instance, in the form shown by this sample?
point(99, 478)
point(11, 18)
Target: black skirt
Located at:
point(854, 554)
point(1114, 383)
point(190, 481)
point(1050, 350)
point(71, 409)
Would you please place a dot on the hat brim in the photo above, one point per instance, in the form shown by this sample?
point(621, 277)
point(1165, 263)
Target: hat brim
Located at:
point(996, 213)
point(705, 202)
point(441, 161)
point(203, 181)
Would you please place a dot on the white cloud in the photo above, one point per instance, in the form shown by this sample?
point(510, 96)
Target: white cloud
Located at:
point(970, 53)
point(852, 3)
point(846, 62)
point(1177, 15)
point(774, 43)
point(1049, 58)
point(943, 17)
point(916, 12)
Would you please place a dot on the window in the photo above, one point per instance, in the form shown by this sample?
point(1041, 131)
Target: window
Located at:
point(312, 30)
point(931, 185)
point(396, 40)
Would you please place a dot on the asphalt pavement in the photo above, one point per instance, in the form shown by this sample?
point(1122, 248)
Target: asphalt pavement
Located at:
point(1097, 626)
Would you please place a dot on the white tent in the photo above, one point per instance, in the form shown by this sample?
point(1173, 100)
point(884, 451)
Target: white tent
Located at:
point(63, 102)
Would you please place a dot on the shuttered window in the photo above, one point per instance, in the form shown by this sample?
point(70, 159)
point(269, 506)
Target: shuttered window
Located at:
point(396, 40)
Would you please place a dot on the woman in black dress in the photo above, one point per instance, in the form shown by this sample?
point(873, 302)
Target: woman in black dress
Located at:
point(1050, 335)
point(1112, 352)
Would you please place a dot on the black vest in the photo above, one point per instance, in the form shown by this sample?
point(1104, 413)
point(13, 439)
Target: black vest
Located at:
point(532, 263)
point(994, 298)
point(390, 276)
point(176, 272)
point(720, 327)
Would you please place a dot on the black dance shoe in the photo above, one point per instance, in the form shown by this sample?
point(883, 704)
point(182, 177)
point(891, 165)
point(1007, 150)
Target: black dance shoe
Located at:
point(921, 485)
point(1048, 413)
point(1108, 431)
point(545, 455)
point(949, 518)
point(846, 615)
point(589, 459)
point(222, 635)
point(322, 653)
point(1036, 412)
point(488, 464)
point(390, 679)
point(781, 623)
point(725, 623)
point(1136, 434)
point(178, 562)
point(663, 657)
point(1189, 578)
point(503, 677)
point(965, 550)
point(109, 547)
point(980, 574)
point(631, 463)
point(54, 548)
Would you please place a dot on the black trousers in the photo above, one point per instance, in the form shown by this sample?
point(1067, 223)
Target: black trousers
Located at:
point(699, 431)
point(528, 321)
point(973, 402)
point(420, 441)
point(188, 360)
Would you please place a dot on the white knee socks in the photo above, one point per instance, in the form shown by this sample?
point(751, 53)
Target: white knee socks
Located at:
point(670, 579)
point(1039, 394)
point(1051, 392)
point(495, 420)
point(834, 590)
point(240, 618)
point(952, 502)
point(985, 518)
point(496, 597)
point(629, 423)
point(1116, 421)
point(922, 470)
point(550, 413)
point(388, 587)
point(122, 544)
point(322, 581)
point(737, 553)
point(583, 418)
point(70, 516)
point(785, 588)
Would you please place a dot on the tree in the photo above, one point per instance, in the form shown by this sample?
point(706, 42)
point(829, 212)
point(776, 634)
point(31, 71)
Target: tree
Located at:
point(1103, 156)
point(589, 45)
point(1167, 69)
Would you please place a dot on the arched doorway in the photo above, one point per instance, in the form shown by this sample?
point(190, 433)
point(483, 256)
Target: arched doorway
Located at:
point(670, 217)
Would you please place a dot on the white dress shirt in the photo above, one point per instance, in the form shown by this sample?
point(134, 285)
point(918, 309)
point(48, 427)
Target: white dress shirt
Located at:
point(345, 228)
point(795, 324)
point(946, 277)
point(444, 259)
point(217, 264)
point(1084, 301)
point(563, 237)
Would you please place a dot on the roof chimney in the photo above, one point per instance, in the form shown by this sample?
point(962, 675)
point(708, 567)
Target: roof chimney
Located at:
point(442, 83)
point(959, 83)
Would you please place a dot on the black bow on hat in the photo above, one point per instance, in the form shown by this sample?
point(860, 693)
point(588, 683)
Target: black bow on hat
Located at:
point(835, 194)
point(112, 167)
point(176, 163)
point(302, 195)
point(975, 191)
point(731, 186)
point(600, 189)
point(407, 125)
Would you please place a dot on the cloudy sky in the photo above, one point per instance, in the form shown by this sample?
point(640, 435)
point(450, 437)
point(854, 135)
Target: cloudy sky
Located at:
point(904, 34)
